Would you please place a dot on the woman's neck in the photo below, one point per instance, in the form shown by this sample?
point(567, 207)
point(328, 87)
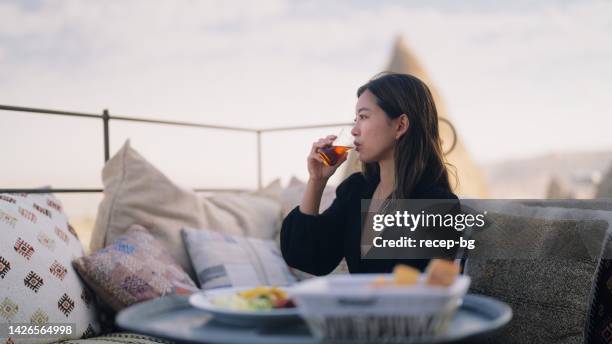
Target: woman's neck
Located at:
point(387, 176)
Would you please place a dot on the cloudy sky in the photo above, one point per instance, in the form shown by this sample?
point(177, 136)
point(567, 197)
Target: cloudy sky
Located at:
point(519, 79)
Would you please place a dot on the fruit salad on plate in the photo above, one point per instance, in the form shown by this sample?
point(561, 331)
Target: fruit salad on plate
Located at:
point(255, 299)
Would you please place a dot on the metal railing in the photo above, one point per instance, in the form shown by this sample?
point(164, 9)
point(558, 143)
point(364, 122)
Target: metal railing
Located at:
point(106, 117)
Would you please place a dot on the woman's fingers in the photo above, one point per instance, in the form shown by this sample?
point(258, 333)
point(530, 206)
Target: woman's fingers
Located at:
point(313, 149)
point(325, 142)
point(314, 154)
point(316, 146)
point(321, 143)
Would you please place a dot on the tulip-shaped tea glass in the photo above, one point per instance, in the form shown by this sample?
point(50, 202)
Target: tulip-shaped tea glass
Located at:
point(342, 143)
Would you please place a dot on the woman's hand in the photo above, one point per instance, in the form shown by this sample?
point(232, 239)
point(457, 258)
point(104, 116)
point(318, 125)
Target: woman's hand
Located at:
point(316, 167)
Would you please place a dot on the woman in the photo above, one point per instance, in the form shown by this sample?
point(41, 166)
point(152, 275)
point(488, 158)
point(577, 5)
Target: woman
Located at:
point(396, 137)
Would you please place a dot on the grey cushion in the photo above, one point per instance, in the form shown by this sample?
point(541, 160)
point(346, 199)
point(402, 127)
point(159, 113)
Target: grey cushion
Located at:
point(543, 268)
point(599, 322)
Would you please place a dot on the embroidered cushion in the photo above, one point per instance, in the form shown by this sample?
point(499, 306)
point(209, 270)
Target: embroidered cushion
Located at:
point(134, 268)
point(38, 284)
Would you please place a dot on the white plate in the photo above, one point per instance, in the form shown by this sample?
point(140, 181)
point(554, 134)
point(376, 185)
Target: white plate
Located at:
point(204, 300)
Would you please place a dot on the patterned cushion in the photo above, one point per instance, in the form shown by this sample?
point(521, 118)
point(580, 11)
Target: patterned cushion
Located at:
point(37, 282)
point(223, 260)
point(134, 268)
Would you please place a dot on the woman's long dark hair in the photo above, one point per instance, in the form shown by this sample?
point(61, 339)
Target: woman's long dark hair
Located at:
point(418, 153)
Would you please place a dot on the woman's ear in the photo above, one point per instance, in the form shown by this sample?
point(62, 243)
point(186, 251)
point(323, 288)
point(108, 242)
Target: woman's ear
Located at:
point(402, 125)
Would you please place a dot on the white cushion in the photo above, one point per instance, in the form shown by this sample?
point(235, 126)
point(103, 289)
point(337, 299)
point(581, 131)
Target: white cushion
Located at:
point(136, 192)
point(294, 192)
point(245, 214)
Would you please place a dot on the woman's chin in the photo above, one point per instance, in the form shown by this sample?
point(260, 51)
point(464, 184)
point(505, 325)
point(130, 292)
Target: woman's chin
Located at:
point(364, 159)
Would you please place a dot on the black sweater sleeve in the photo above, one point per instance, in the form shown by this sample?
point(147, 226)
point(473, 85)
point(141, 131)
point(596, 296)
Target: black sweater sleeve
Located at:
point(314, 243)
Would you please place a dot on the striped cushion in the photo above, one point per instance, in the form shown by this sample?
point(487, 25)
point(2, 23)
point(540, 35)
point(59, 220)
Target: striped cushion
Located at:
point(223, 260)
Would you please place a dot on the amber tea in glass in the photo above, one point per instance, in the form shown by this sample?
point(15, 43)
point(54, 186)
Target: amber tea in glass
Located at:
point(331, 154)
point(342, 143)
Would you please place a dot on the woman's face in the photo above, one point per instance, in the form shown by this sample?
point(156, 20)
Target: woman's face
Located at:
point(374, 132)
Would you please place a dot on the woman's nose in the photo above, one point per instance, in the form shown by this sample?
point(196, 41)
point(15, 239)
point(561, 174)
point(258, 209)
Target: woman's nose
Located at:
point(355, 131)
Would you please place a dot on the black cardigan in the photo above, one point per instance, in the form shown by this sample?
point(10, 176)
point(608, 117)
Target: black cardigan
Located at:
point(317, 244)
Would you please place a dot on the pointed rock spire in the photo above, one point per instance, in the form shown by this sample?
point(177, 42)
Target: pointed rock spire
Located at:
point(470, 180)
